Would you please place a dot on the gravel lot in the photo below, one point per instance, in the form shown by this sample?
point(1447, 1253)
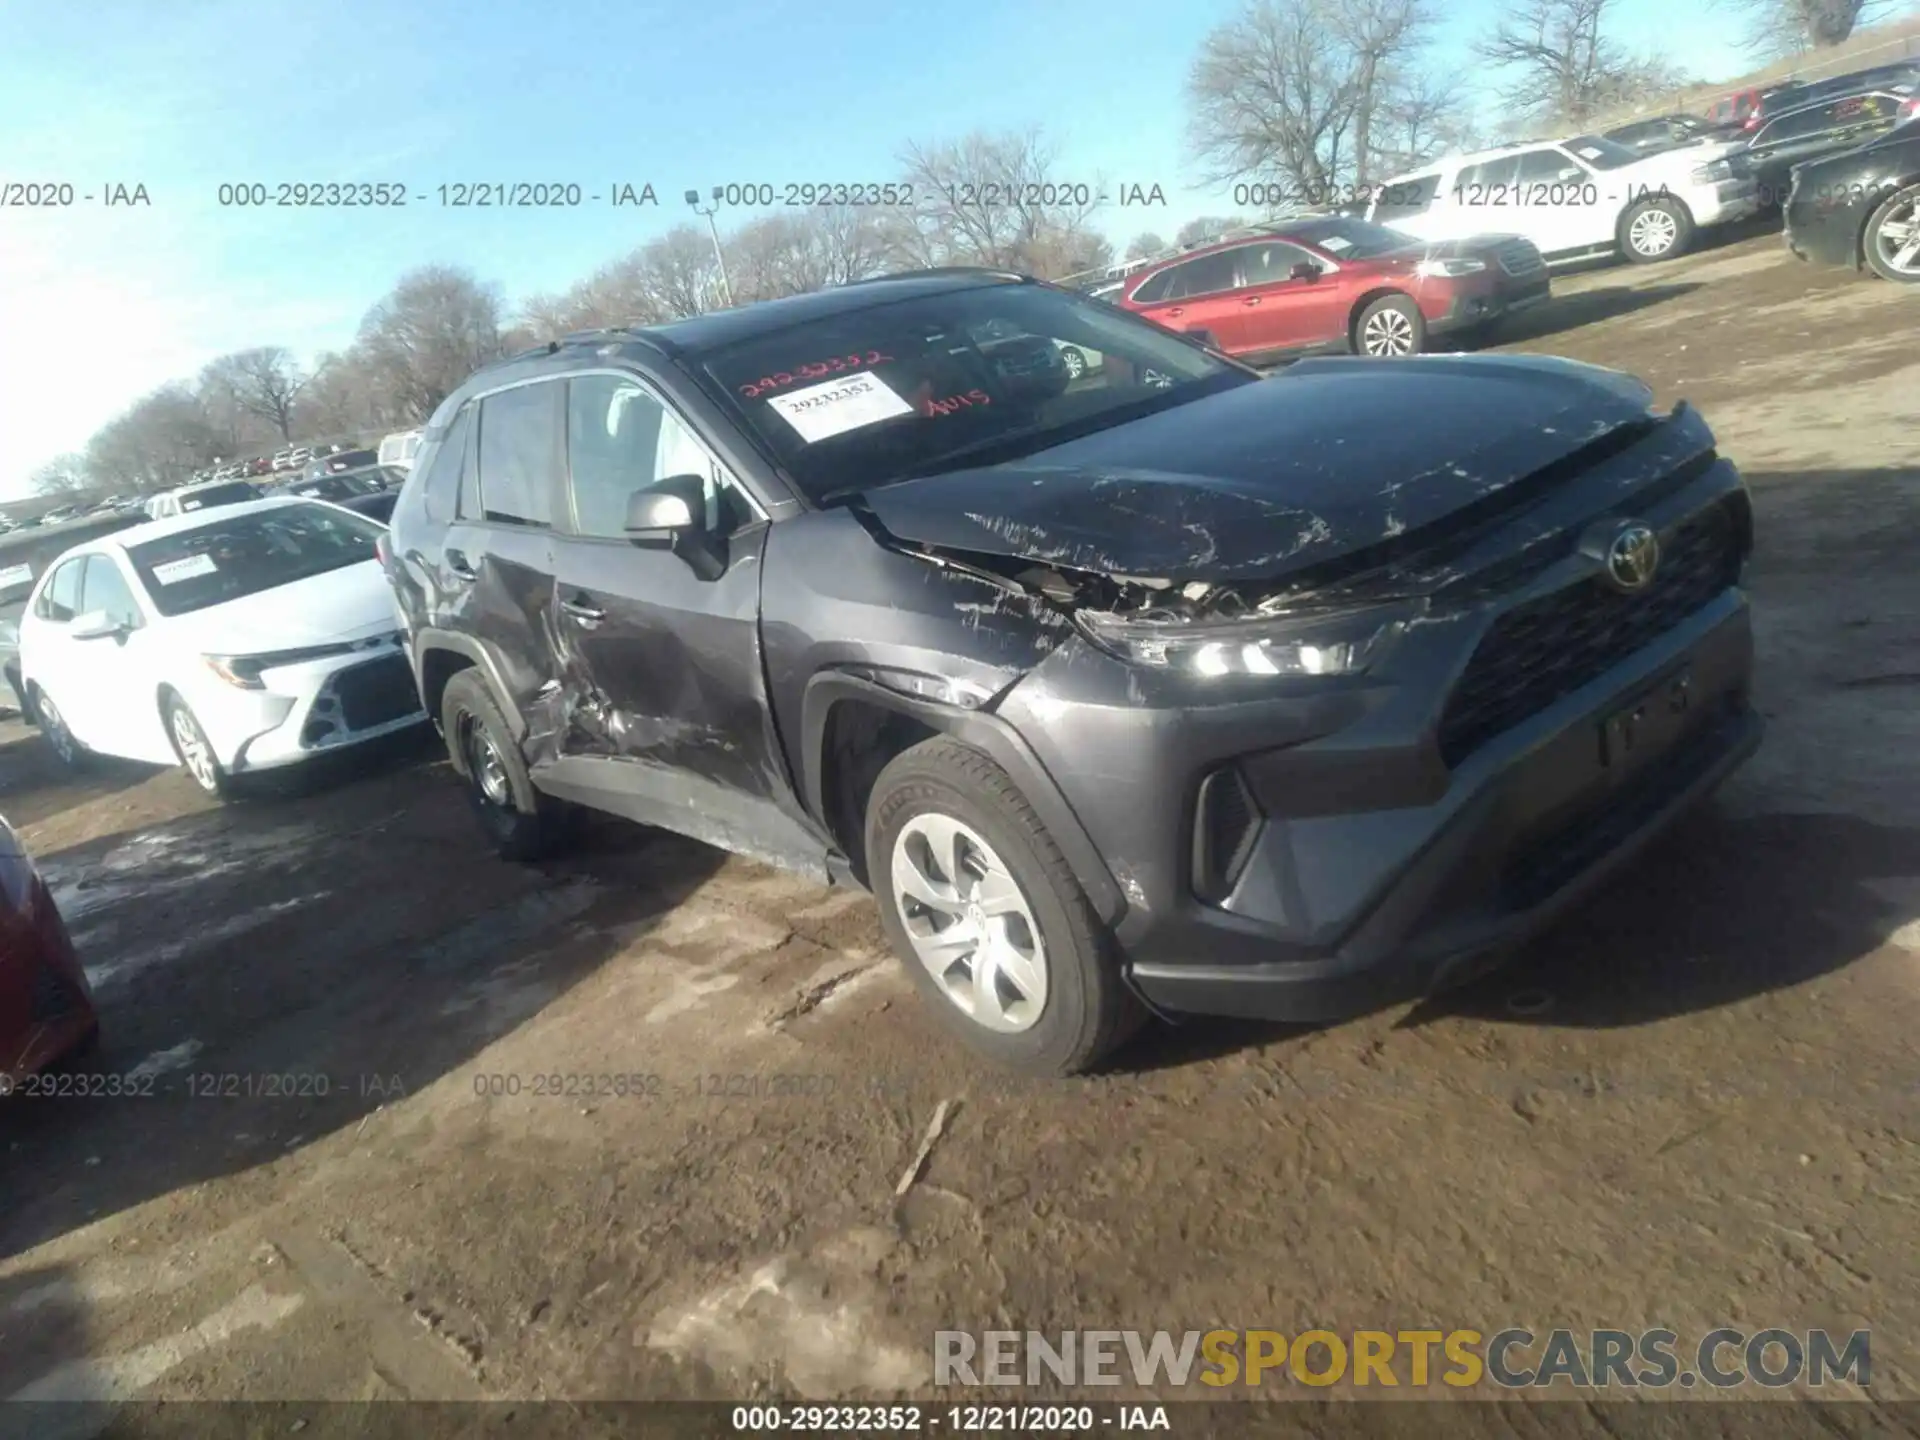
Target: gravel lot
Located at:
point(1694, 1104)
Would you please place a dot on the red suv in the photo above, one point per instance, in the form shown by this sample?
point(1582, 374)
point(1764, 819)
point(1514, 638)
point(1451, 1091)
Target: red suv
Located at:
point(1332, 282)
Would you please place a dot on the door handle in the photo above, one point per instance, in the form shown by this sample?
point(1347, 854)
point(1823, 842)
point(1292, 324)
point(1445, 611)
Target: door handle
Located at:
point(1251, 300)
point(578, 607)
point(1177, 310)
point(457, 562)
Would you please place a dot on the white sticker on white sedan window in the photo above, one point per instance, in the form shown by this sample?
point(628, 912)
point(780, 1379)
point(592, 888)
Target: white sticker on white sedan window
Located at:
point(834, 407)
point(172, 572)
point(15, 575)
point(1335, 243)
point(1589, 152)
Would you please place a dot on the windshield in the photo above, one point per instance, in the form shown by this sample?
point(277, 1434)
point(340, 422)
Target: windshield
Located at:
point(910, 387)
point(1348, 238)
point(1600, 152)
point(239, 555)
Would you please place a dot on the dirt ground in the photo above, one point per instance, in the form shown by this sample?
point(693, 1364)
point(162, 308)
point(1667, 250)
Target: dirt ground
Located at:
point(1694, 1104)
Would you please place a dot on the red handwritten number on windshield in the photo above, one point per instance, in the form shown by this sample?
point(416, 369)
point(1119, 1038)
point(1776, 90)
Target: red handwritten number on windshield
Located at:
point(812, 370)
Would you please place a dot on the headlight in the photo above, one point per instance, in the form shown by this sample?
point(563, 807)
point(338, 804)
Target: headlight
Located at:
point(245, 671)
point(1450, 269)
point(1711, 173)
point(1337, 643)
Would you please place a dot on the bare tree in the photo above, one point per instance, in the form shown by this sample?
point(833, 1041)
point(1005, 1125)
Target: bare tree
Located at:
point(435, 329)
point(157, 442)
point(1562, 66)
point(998, 200)
point(1311, 96)
point(62, 475)
point(1144, 244)
point(1206, 229)
point(1783, 27)
point(264, 382)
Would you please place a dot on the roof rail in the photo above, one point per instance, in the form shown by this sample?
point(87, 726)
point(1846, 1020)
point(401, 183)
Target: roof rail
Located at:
point(997, 273)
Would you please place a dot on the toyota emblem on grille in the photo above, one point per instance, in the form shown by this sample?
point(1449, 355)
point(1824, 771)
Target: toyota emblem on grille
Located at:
point(1632, 556)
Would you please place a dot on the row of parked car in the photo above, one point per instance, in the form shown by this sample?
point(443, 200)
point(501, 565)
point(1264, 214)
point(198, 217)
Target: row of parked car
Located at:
point(889, 582)
point(1456, 247)
point(317, 458)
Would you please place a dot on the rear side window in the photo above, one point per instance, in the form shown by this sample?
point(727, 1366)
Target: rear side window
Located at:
point(60, 601)
point(1154, 287)
point(441, 482)
point(1207, 275)
point(1475, 179)
point(519, 452)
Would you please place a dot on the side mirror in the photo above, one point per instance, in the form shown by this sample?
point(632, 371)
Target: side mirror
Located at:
point(97, 625)
point(671, 514)
point(1304, 270)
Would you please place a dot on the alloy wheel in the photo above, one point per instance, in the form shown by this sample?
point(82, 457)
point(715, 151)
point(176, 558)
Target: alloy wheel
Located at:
point(969, 923)
point(1387, 332)
point(195, 753)
point(488, 769)
point(1652, 232)
point(1898, 239)
point(1076, 363)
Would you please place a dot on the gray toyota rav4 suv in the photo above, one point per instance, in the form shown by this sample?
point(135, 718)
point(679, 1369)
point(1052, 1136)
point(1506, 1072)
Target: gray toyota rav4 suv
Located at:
point(1161, 688)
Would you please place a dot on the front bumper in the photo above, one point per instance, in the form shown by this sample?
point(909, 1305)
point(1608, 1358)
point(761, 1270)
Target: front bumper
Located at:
point(311, 709)
point(1380, 865)
point(1727, 201)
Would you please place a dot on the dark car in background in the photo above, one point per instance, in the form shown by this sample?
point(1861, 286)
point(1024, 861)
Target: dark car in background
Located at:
point(24, 555)
point(336, 487)
point(1176, 687)
point(1862, 208)
point(1334, 283)
point(1664, 132)
point(1822, 128)
point(46, 1005)
point(336, 461)
point(1743, 111)
point(375, 506)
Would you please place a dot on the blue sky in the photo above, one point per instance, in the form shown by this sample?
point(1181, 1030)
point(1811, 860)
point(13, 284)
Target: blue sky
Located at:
point(183, 96)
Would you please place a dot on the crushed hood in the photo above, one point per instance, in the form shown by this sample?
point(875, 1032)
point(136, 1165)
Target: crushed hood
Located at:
point(1272, 478)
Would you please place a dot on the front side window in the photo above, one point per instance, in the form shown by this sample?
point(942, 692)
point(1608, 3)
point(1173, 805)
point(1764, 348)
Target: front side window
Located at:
point(620, 439)
point(1546, 167)
point(105, 588)
point(1205, 275)
point(519, 447)
point(909, 387)
point(228, 558)
point(60, 601)
point(1271, 262)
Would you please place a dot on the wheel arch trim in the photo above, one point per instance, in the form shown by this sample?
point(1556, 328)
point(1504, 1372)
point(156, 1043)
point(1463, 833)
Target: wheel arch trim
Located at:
point(987, 733)
point(429, 638)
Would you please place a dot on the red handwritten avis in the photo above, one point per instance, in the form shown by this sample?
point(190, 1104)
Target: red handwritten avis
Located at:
point(812, 370)
point(929, 406)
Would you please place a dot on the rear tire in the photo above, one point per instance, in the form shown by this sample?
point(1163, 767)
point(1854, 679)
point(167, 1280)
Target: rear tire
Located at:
point(1655, 229)
point(1389, 328)
point(67, 749)
point(522, 824)
point(954, 851)
point(1895, 256)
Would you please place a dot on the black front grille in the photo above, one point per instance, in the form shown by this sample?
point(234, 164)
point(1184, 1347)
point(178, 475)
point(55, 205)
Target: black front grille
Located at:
point(1521, 257)
point(1550, 647)
point(1226, 822)
point(376, 692)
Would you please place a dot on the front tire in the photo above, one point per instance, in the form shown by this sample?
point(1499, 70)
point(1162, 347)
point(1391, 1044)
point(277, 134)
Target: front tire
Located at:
point(987, 916)
point(1655, 229)
point(1390, 327)
point(195, 750)
point(67, 749)
point(522, 824)
point(1075, 362)
point(1891, 242)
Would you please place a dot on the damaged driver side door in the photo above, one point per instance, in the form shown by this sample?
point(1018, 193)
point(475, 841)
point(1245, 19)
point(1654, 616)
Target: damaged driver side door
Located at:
point(665, 714)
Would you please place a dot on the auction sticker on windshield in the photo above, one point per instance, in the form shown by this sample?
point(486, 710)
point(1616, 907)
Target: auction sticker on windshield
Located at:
point(834, 407)
point(172, 572)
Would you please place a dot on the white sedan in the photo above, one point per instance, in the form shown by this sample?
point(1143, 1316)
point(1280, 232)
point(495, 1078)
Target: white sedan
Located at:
point(230, 641)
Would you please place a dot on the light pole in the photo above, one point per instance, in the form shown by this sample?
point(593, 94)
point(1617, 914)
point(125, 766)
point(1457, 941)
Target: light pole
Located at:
point(693, 199)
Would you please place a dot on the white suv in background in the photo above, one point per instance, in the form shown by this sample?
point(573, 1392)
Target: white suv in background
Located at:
point(1573, 198)
point(397, 450)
